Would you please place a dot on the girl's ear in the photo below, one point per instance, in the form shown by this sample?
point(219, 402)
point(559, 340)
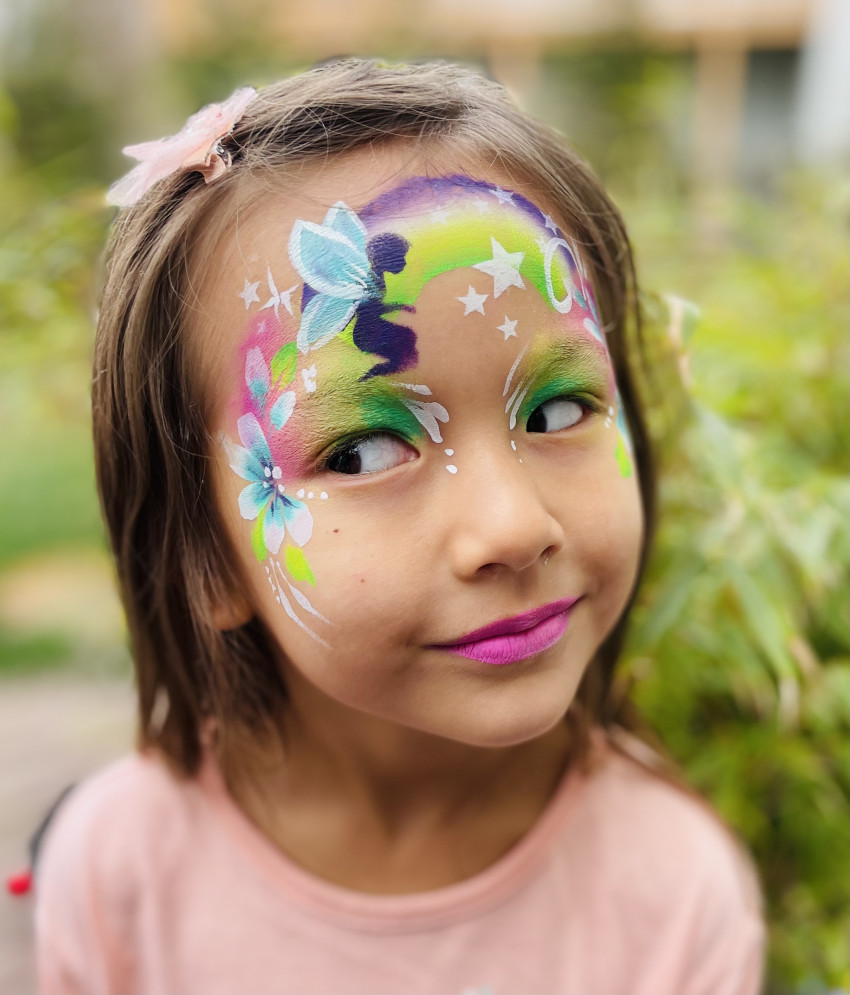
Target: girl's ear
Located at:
point(228, 604)
point(230, 612)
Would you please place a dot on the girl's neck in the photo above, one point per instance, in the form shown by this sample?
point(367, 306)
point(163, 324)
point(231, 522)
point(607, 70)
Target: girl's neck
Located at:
point(377, 807)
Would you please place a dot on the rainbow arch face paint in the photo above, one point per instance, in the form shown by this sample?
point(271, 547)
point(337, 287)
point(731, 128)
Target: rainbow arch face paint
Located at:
point(331, 353)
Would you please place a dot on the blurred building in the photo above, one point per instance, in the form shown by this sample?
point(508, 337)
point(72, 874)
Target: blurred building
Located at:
point(770, 78)
point(770, 85)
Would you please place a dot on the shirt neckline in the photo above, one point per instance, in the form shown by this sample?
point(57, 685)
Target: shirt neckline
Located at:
point(413, 912)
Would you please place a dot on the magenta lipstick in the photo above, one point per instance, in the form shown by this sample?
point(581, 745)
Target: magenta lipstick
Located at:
point(517, 638)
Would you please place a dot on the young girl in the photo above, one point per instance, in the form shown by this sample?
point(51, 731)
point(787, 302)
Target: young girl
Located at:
point(379, 492)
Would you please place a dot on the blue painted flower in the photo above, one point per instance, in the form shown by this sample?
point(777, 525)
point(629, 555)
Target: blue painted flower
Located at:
point(265, 493)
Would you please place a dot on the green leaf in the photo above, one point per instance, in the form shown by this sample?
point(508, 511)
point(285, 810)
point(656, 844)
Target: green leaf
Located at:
point(297, 565)
point(623, 461)
point(283, 365)
point(258, 543)
point(764, 620)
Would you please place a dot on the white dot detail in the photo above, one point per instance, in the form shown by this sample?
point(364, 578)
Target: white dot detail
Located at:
point(281, 488)
point(449, 452)
point(324, 495)
point(301, 493)
point(513, 445)
point(309, 494)
point(451, 468)
point(276, 473)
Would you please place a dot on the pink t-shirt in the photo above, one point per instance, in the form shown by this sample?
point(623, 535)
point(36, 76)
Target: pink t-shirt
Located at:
point(624, 885)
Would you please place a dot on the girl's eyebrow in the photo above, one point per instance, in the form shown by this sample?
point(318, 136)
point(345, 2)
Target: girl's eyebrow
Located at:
point(343, 391)
point(576, 351)
point(343, 403)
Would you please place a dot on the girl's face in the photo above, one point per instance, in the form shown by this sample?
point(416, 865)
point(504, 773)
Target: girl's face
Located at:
point(421, 436)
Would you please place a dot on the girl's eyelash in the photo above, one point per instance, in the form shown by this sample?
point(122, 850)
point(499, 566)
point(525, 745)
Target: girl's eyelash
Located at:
point(587, 401)
point(346, 445)
point(588, 405)
point(350, 445)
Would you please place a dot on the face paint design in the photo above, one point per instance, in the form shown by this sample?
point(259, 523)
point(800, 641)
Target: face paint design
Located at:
point(324, 365)
point(344, 279)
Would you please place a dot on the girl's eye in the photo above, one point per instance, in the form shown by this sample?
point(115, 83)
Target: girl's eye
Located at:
point(370, 454)
point(560, 412)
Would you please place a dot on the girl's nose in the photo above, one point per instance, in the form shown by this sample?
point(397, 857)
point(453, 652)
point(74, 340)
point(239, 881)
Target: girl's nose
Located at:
point(501, 519)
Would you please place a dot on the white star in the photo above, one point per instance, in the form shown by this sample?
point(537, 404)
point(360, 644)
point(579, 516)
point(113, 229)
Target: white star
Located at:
point(249, 293)
point(473, 302)
point(509, 328)
point(503, 267)
point(439, 217)
point(277, 298)
point(550, 224)
point(285, 297)
point(481, 205)
point(503, 196)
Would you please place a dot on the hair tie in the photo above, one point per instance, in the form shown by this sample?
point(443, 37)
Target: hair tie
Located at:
point(196, 148)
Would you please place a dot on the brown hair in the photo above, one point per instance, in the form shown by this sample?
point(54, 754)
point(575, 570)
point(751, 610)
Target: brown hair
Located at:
point(152, 447)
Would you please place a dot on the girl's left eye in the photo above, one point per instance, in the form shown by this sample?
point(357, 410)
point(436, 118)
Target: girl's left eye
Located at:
point(553, 415)
point(370, 454)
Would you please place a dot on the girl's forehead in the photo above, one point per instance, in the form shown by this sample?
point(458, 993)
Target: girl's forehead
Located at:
point(447, 220)
point(377, 285)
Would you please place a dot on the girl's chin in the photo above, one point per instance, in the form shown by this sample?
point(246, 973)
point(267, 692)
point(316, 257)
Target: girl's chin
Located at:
point(504, 727)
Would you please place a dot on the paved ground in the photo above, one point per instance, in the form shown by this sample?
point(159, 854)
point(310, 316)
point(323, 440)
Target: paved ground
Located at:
point(54, 730)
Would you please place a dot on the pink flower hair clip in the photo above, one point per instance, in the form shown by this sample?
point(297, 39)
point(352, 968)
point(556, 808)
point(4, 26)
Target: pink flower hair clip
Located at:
point(195, 148)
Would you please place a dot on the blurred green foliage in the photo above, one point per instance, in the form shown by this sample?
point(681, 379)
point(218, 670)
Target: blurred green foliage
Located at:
point(48, 262)
point(739, 650)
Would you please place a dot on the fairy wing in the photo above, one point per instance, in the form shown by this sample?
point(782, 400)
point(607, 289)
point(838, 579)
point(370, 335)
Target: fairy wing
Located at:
point(322, 319)
point(340, 218)
point(331, 257)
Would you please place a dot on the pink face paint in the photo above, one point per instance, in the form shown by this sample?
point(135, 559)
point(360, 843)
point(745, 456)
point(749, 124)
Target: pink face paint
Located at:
point(513, 639)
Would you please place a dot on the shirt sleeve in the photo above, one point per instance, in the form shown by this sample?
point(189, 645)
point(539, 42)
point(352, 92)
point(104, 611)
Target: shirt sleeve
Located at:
point(730, 930)
point(684, 886)
point(79, 899)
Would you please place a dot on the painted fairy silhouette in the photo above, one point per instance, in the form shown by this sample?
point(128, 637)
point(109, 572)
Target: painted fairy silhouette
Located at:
point(344, 278)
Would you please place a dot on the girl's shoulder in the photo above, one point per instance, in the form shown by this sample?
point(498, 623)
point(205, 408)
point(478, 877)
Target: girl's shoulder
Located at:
point(136, 812)
point(654, 835)
point(117, 839)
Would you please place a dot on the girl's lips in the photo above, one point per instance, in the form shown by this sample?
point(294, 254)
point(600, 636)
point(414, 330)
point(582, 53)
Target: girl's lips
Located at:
point(512, 639)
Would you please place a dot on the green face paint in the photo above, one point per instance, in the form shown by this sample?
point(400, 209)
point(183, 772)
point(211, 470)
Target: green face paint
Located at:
point(344, 409)
point(569, 369)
